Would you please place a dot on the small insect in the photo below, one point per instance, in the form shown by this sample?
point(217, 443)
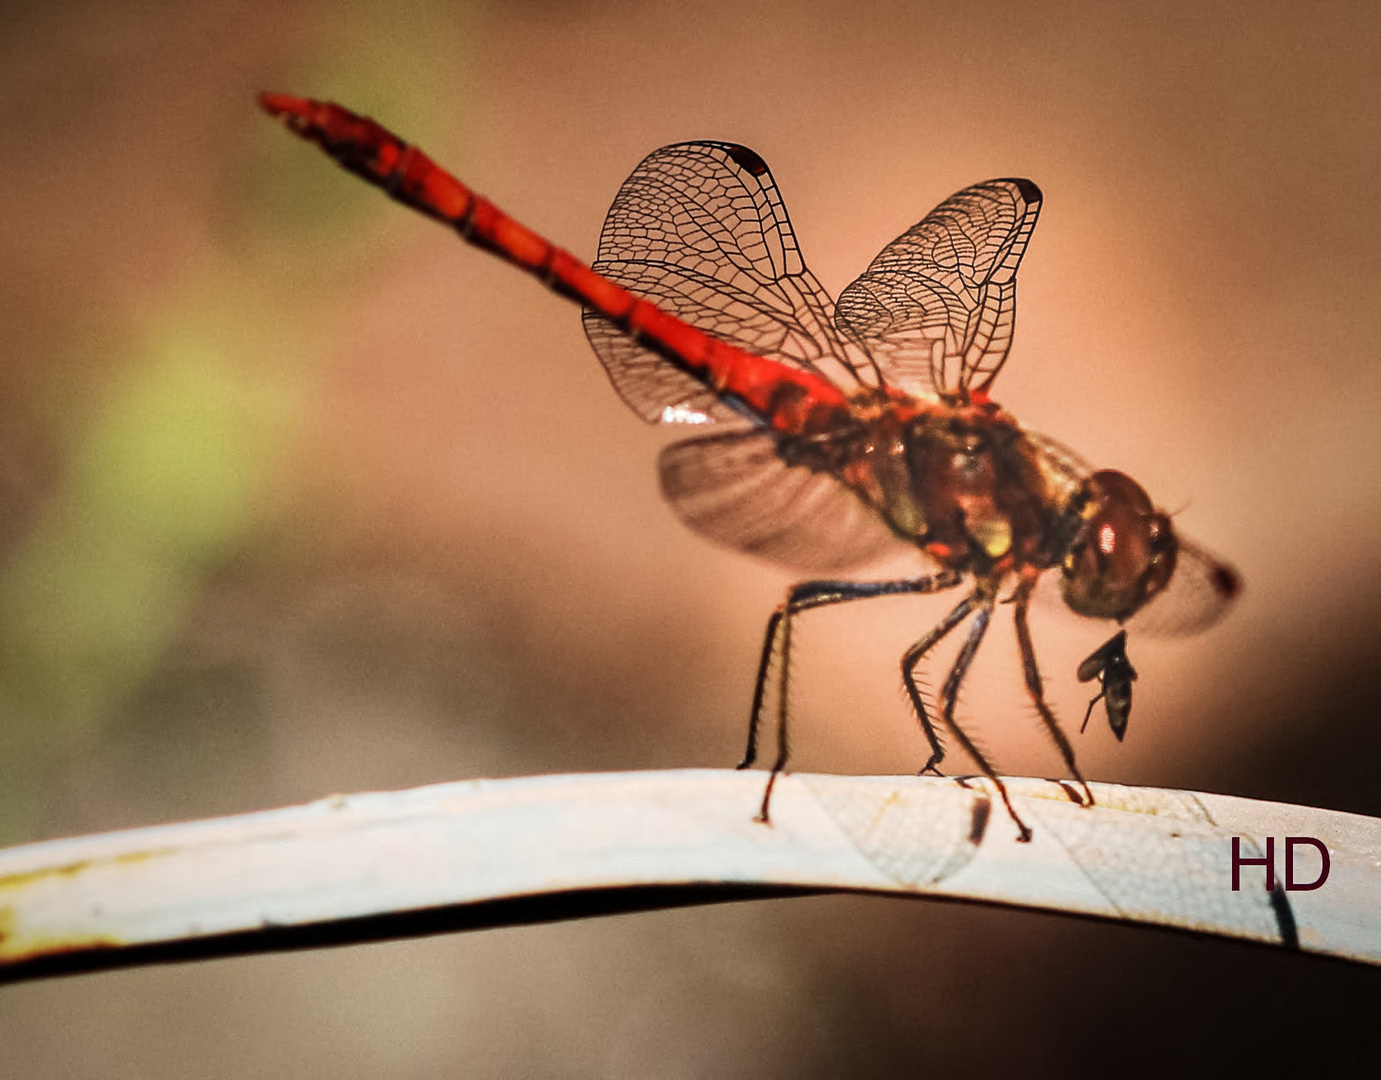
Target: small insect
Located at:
point(840, 432)
point(1115, 674)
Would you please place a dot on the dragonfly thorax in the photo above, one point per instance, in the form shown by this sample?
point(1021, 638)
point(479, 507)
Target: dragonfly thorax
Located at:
point(964, 484)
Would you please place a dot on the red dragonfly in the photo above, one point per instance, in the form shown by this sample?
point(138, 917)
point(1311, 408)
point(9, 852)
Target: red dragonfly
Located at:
point(845, 431)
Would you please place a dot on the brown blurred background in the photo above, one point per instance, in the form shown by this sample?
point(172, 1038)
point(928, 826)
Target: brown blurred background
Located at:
point(301, 496)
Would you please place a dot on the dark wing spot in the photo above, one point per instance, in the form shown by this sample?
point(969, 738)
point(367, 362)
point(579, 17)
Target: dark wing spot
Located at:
point(1029, 191)
point(1226, 581)
point(746, 158)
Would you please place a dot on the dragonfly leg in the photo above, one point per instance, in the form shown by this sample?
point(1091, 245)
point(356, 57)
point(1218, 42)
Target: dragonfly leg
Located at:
point(908, 674)
point(949, 698)
point(803, 597)
point(769, 649)
point(1036, 690)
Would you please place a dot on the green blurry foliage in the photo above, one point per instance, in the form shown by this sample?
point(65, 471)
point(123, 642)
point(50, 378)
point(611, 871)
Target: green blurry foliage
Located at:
point(167, 475)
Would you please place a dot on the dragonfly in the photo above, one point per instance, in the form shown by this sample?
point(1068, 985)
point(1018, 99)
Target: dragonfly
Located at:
point(839, 433)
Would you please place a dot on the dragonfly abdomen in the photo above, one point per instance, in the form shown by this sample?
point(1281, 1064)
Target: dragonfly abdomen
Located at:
point(783, 397)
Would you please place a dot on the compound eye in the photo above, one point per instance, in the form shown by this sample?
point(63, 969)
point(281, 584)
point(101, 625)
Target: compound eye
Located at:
point(1124, 552)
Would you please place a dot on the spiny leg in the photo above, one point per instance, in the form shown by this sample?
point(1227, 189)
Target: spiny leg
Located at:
point(913, 657)
point(802, 597)
point(1036, 689)
point(769, 649)
point(812, 594)
point(949, 698)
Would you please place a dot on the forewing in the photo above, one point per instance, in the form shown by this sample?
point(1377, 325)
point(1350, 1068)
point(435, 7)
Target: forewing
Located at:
point(1199, 593)
point(700, 230)
point(1201, 589)
point(735, 488)
point(937, 307)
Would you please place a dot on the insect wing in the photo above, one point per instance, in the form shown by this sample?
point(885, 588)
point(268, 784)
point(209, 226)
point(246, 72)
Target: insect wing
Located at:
point(937, 307)
point(1063, 469)
point(1199, 593)
point(735, 488)
point(1097, 663)
point(700, 230)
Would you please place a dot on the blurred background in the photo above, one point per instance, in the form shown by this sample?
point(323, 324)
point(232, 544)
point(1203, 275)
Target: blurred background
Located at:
point(299, 495)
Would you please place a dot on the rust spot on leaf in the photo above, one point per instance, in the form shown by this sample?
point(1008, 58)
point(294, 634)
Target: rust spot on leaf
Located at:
point(31, 877)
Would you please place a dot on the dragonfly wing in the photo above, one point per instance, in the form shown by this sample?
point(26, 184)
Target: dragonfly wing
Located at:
point(1200, 590)
point(735, 488)
point(1064, 470)
point(937, 307)
point(700, 230)
point(1199, 593)
point(1068, 463)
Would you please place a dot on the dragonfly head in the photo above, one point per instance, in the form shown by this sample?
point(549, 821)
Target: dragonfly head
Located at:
point(1123, 551)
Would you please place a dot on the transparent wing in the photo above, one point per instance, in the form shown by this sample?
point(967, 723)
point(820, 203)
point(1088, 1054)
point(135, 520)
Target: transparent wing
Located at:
point(700, 230)
point(1064, 469)
point(937, 307)
point(735, 488)
point(1200, 592)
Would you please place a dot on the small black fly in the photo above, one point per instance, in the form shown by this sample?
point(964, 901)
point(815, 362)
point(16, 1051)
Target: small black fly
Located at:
point(1110, 666)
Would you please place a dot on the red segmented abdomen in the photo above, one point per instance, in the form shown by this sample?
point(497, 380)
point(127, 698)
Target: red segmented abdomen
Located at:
point(786, 398)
